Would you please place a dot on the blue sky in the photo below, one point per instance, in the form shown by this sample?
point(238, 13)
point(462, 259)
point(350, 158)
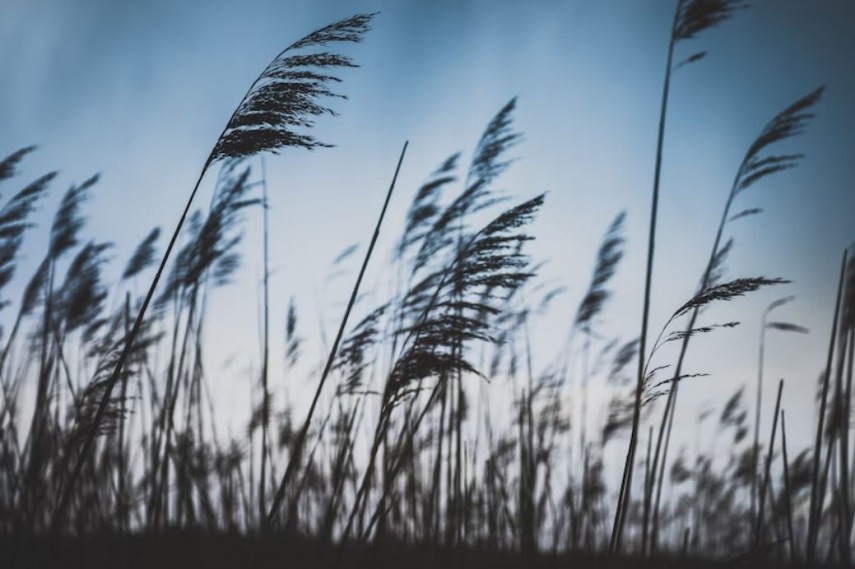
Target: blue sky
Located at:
point(138, 90)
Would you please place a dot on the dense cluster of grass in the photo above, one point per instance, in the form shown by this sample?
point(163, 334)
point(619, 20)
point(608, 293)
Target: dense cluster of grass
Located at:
point(121, 438)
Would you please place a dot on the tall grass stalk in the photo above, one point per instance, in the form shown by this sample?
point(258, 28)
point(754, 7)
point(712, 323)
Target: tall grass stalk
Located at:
point(758, 528)
point(788, 495)
point(245, 133)
point(758, 163)
point(766, 325)
point(294, 459)
point(265, 357)
point(626, 483)
point(815, 497)
point(691, 17)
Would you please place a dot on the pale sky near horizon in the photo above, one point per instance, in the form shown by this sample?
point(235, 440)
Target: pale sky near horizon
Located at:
point(139, 91)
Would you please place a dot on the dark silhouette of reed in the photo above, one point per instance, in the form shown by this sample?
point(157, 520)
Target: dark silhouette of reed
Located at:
point(284, 96)
point(401, 457)
point(691, 17)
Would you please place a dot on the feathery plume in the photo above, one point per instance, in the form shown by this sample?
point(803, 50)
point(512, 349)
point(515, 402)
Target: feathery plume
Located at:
point(67, 222)
point(8, 165)
point(608, 257)
point(14, 221)
point(425, 207)
point(82, 296)
point(143, 256)
point(292, 341)
point(725, 292)
point(787, 124)
point(695, 16)
point(787, 327)
point(286, 95)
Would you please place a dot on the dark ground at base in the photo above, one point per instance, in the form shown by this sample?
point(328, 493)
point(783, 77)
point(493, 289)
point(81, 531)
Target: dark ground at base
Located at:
point(182, 551)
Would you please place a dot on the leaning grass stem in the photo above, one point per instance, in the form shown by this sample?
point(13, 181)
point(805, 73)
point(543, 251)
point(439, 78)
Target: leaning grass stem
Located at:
point(758, 527)
point(624, 497)
point(846, 523)
point(92, 431)
point(668, 413)
point(815, 498)
point(843, 391)
point(123, 518)
point(349, 30)
point(788, 496)
point(758, 404)
point(265, 410)
point(294, 460)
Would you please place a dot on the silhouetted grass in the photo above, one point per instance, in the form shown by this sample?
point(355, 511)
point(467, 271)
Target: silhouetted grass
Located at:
point(121, 459)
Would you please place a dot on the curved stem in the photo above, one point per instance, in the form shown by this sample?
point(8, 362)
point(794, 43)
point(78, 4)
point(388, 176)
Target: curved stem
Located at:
point(623, 499)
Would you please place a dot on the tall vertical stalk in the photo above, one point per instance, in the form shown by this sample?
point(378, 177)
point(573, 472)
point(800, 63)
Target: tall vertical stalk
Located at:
point(787, 492)
point(265, 410)
point(758, 527)
point(815, 498)
point(123, 500)
point(844, 401)
point(846, 522)
point(764, 326)
point(758, 403)
point(754, 166)
point(626, 486)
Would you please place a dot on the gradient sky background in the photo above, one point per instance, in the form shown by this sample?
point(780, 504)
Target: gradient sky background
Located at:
point(138, 90)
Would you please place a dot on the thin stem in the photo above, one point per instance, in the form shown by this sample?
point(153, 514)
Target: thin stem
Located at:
point(92, 432)
point(758, 528)
point(813, 513)
point(624, 498)
point(265, 410)
point(294, 460)
point(843, 401)
point(755, 459)
point(787, 492)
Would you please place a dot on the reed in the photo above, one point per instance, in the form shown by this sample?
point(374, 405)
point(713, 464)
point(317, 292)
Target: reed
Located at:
point(284, 95)
point(439, 428)
point(816, 497)
point(691, 17)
